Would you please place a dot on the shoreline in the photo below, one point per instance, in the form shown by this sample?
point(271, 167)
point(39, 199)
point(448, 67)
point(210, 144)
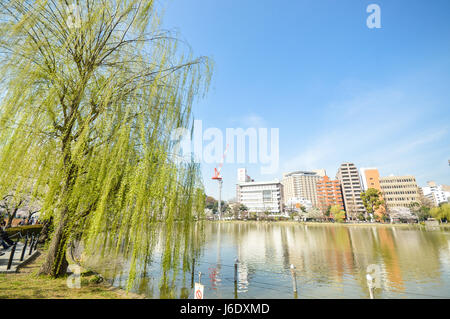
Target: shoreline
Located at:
point(291, 222)
point(27, 284)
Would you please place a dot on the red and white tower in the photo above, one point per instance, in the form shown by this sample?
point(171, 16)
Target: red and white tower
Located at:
point(219, 179)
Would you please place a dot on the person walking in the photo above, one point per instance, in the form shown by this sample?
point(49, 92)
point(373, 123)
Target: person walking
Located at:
point(6, 242)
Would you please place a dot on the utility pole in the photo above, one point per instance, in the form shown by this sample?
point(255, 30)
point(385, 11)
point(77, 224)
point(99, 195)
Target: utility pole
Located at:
point(219, 179)
point(220, 198)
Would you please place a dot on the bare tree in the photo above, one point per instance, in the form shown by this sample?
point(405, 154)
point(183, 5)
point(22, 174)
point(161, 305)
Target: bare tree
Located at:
point(11, 204)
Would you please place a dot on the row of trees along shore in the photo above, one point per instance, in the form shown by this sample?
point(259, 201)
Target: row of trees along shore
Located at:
point(373, 202)
point(420, 210)
point(89, 98)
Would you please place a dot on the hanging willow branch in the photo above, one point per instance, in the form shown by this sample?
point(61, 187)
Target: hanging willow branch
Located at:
point(88, 101)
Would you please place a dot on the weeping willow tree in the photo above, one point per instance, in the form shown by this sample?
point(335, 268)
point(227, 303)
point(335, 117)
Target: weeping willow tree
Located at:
point(90, 94)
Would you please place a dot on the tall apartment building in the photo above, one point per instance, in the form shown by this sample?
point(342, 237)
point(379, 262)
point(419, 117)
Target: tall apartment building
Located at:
point(260, 197)
point(435, 193)
point(302, 184)
point(370, 178)
point(329, 193)
point(351, 189)
point(399, 191)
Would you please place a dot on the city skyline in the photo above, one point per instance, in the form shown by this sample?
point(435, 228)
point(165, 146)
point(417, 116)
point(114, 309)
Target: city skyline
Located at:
point(338, 91)
point(360, 170)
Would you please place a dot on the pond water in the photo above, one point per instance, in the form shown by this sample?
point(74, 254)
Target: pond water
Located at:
point(331, 261)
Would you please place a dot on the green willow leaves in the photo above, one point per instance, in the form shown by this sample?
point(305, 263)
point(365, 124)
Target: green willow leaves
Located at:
point(90, 94)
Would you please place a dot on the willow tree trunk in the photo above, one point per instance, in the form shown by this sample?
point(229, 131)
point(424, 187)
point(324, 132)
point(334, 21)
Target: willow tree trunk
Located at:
point(56, 263)
point(43, 236)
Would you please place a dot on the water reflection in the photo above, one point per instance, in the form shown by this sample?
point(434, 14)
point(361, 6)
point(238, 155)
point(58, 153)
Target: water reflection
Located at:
point(331, 262)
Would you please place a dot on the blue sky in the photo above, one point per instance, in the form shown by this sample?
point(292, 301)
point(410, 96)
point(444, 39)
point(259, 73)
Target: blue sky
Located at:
point(337, 90)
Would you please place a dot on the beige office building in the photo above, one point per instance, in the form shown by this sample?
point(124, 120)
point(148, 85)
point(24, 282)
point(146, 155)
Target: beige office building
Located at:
point(302, 185)
point(351, 186)
point(399, 191)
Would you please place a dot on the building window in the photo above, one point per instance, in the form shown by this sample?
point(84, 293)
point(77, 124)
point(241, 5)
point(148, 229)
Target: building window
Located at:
point(267, 196)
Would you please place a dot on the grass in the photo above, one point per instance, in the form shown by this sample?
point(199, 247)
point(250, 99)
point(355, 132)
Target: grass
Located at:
point(446, 226)
point(26, 284)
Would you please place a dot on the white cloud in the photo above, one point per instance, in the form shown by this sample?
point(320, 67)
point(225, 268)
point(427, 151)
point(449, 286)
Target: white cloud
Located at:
point(249, 120)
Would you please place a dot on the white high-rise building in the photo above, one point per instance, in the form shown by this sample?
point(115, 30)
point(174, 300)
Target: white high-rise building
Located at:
point(435, 193)
point(242, 176)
